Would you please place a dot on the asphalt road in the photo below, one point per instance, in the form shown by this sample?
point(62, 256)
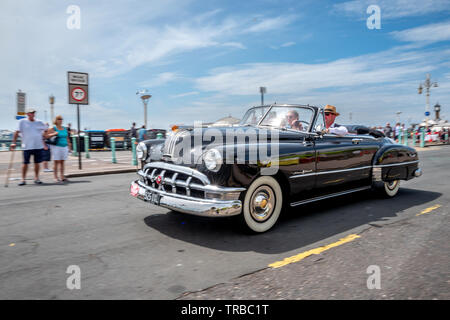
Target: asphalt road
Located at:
point(127, 249)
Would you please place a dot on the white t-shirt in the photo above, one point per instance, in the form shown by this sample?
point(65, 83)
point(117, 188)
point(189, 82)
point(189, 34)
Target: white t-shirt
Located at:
point(31, 133)
point(338, 130)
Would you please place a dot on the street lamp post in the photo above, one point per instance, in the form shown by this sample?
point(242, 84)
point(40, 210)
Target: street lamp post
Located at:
point(427, 85)
point(51, 99)
point(145, 99)
point(398, 113)
point(262, 90)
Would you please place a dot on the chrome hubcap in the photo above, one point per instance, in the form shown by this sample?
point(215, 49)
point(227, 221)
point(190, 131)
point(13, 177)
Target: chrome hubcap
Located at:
point(392, 185)
point(262, 203)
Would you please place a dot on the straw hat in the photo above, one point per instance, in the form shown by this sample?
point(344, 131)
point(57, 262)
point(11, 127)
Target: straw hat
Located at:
point(331, 109)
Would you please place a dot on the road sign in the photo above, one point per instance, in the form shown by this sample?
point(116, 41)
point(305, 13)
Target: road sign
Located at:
point(78, 87)
point(427, 113)
point(78, 78)
point(78, 94)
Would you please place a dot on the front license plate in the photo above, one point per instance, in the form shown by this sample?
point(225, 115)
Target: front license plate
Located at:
point(152, 197)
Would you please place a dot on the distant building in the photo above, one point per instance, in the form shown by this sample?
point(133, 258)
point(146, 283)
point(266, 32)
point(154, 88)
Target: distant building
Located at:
point(226, 121)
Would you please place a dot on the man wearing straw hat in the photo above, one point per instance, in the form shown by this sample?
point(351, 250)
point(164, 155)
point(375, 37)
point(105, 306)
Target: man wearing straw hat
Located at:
point(332, 127)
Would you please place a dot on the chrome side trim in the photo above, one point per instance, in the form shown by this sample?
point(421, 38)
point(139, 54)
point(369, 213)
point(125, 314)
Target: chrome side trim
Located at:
point(327, 172)
point(328, 196)
point(395, 164)
point(352, 169)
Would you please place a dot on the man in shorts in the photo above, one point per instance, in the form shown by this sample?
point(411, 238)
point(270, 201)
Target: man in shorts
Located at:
point(31, 130)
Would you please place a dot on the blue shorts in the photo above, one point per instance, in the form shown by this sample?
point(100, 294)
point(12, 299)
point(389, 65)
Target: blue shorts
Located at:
point(46, 155)
point(37, 155)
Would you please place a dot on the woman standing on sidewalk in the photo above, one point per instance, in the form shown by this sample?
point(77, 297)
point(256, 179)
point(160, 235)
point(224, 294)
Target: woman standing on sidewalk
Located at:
point(60, 151)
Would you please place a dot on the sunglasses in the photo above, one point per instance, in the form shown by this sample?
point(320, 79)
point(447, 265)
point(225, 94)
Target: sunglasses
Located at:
point(327, 113)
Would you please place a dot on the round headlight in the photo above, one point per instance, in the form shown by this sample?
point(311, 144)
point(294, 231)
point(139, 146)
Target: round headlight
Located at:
point(213, 160)
point(141, 151)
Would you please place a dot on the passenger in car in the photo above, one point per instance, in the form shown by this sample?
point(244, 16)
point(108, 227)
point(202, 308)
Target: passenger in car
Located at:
point(292, 120)
point(332, 127)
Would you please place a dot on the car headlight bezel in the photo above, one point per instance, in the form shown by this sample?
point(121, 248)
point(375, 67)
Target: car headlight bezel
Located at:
point(213, 160)
point(141, 151)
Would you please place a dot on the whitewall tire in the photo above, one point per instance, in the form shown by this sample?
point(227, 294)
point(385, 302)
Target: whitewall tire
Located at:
point(262, 204)
point(388, 189)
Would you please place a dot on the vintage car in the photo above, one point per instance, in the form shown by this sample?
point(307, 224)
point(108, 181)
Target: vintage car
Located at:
point(308, 165)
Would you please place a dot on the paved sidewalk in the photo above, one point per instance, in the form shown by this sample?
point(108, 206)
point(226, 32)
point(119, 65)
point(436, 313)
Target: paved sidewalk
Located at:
point(100, 162)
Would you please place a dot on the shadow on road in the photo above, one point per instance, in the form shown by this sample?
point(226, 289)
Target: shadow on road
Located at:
point(298, 227)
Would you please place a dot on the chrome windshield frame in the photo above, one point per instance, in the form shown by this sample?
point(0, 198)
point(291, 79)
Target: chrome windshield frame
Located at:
point(314, 110)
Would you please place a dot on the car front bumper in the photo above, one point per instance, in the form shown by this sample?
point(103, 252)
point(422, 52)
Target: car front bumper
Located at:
point(185, 204)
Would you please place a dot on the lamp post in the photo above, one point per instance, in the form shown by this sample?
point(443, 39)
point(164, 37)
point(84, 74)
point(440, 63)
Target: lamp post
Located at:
point(145, 99)
point(437, 110)
point(51, 99)
point(262, 90)
point(398, 113)
point(427, 85)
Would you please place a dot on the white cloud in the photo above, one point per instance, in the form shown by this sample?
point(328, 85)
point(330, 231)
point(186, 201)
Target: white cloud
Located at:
point(186, 94)
point(392, 9)
point(286, 78)
point(428, 33)
point(373, 86)
point(268, 24)
point(288, 44)
point(237, 45)
point(160, 79)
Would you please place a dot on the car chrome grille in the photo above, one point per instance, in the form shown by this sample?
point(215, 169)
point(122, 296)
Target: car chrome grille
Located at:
point(173, 181)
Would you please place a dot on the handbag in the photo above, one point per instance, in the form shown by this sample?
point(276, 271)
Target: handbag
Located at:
point(52, 140)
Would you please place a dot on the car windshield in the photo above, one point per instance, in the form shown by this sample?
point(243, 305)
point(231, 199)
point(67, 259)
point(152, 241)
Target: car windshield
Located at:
point(254, 115)
point(289, 117)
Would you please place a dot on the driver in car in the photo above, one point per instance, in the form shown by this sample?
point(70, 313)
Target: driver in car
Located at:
point(292, 120)
point(332, 127)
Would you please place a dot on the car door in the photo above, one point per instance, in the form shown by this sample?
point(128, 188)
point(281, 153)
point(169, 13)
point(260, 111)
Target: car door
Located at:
point(297, 160)
point(344, 162)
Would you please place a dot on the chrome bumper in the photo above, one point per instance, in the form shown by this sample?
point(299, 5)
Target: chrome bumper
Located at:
point(186, 204)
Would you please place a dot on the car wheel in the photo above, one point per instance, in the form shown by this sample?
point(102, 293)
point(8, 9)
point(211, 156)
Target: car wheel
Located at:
point(388, 188)
point(262, 205)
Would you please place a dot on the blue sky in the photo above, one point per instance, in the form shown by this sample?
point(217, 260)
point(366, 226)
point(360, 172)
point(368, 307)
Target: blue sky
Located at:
point(202, 60)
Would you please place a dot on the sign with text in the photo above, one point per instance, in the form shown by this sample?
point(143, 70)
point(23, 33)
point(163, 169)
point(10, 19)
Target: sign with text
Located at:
point(78, 87)
point(78, 78)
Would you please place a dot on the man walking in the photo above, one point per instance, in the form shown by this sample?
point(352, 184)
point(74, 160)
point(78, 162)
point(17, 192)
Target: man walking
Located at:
point(388, 130)
point(31, 130)
point(142, 134)
point(133, 131)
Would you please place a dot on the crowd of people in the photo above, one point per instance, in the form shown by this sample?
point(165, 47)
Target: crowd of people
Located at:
point(399, 129)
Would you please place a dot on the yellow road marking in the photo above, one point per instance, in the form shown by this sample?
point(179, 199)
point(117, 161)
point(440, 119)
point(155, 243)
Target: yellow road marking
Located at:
point(428, 210)
point(319, 250)
point(12, 244)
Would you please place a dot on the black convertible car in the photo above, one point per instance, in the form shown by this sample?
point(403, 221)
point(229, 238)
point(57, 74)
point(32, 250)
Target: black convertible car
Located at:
point(257, 168)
